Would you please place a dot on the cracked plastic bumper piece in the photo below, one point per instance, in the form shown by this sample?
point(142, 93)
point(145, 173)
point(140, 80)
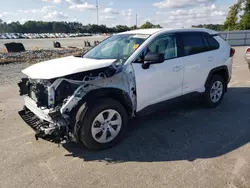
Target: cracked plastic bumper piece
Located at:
point(32, 106)
point(42, 123)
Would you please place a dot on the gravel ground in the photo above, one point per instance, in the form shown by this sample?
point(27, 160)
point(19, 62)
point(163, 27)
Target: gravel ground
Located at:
point(11, 73)
point(187, 146)
point(34, 56)
point(39, 54)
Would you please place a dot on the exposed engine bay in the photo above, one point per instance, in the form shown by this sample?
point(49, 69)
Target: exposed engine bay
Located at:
point(50, 103)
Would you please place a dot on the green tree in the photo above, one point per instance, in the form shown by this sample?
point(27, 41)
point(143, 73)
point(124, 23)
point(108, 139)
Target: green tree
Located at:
point(133, 27)
point(122, 28)
point(148, 25)
point(63, 27)
point(245, 18)
point(231, 22)
point(59, 27)
point(216, 27)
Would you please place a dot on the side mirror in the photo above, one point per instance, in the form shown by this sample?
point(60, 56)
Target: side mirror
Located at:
point(153, 58)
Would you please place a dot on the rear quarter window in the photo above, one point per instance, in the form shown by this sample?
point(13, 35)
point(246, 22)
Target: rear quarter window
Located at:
point(212, 42)
point(193, 43)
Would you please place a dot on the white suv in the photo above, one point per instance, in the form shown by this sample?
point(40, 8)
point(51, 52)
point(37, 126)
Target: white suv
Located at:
point(89, 99)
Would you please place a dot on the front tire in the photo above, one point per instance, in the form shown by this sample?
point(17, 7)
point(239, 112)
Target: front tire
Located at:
point(215, 91)
point(104, 124)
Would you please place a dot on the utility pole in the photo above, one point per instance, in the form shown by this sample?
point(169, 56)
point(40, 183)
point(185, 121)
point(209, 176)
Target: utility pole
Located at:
point(136, 20)
point(97, 12)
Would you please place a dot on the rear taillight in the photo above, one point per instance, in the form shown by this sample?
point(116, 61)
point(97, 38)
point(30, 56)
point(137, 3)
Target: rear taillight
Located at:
point(232, 52)
point(248, 50)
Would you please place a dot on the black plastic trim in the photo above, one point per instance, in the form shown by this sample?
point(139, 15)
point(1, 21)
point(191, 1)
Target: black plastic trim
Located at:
point(23, 86)
point(217, 69)
point(113, 93)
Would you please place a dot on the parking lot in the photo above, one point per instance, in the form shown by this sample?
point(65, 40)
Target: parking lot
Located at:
point(185, 145)
point(30, 44)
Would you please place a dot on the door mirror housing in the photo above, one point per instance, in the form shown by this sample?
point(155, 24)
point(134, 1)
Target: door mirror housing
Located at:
point(153, 58)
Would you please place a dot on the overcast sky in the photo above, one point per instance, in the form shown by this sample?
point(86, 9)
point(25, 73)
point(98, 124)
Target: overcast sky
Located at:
point(168, 13)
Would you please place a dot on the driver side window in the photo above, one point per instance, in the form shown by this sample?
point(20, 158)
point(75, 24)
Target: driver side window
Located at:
point(165, 44)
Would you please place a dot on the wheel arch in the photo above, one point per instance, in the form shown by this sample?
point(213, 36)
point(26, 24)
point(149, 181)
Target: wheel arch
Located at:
point(80, 109)
point(114, 93)
point(222, 71)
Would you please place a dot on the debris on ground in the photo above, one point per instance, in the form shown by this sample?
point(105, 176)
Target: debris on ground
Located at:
point(35, 56)
point(57, 44)
point(87, 44)
point(14, 47)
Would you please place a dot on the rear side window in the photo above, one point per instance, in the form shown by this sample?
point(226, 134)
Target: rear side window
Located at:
point(193, 43)
point(212, 42)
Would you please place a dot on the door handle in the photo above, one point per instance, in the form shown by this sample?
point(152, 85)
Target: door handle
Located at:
point(210, 58)
point(177, 68)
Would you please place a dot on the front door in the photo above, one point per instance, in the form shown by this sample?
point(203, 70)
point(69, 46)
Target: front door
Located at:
point(161, 81)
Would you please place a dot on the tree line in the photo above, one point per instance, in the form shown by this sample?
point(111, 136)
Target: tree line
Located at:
point(238, 18)
point(216, 27)
point(64, 27)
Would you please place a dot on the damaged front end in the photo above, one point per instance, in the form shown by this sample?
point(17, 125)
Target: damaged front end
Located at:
point(49, 104)
point(39, 109)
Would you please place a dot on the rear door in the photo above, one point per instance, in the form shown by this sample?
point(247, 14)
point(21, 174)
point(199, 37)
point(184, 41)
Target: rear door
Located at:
point(198, 59)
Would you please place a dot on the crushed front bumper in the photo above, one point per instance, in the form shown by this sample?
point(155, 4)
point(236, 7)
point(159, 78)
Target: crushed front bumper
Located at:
point(33, 121)
point(48, 124)
point(32, 106)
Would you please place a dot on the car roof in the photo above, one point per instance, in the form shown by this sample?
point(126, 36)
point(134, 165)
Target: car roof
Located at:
point(142, 31)
point(164, 30)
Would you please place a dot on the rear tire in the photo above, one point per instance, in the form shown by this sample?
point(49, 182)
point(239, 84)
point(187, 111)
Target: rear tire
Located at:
point(103, 124)
point(215, 91)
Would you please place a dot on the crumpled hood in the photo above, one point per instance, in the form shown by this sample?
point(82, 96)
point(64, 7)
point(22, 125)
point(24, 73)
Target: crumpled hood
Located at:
point(64, 66)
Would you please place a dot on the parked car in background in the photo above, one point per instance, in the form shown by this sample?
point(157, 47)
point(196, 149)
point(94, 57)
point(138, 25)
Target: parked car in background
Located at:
point(4, 36)
point(90, 99)
point(21, 36)
point(42, 35)
point(14, 36)
point(247, 56)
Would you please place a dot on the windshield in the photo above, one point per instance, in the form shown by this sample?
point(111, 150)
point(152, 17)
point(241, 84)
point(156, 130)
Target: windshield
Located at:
point(117, 47)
